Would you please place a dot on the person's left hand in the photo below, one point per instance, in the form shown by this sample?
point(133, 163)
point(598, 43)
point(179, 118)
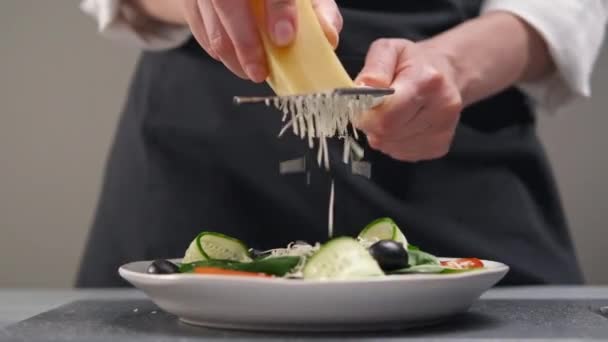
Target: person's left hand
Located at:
point(417, 122)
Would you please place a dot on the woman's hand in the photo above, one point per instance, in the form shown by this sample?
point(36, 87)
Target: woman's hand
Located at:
point(434, 79)
point(227, 30)
point(419, 120)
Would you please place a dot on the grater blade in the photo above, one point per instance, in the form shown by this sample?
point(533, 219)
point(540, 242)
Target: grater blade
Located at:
point(353, 92)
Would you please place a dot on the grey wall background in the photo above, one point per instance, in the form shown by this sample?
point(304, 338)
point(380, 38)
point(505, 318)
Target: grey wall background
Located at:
point(62, 87)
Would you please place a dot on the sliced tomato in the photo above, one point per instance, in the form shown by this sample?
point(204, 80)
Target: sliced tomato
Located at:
point(222, 271)
point(463, 263)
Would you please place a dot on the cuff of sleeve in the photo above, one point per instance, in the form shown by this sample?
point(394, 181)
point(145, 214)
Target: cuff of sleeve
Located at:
point(573, 31)
point(114, 19)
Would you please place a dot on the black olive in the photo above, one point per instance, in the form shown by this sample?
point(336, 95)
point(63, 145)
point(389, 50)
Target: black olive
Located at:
point(390, 255)
point(256, 253)
point(162, 267)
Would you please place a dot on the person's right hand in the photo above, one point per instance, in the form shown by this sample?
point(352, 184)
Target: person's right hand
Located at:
point(227, 30)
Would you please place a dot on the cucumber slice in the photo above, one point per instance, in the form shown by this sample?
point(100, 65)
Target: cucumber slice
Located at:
point(341, 258)
point(216, 246)
point(193, 253)
point(381, 229)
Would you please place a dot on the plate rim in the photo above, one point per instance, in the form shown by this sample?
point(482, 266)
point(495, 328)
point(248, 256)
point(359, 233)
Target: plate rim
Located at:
point(127, 274)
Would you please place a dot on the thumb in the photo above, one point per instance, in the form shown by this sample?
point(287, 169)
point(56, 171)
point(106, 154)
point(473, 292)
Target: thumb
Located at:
point(330, 19)
point(380, 64)
point(282, 20)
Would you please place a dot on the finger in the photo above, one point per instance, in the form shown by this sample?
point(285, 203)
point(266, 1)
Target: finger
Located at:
point(412, 110)
point(379, 70)
point(388, 119)
point(380, 63)
point(219, 40)
point(282, 20)
point(440, 114)
point(238, 22)
point(441, 109)
point(194, 18)
point(330, 19)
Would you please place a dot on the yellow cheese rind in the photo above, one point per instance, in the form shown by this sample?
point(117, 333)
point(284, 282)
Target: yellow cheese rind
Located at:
point(307, 65)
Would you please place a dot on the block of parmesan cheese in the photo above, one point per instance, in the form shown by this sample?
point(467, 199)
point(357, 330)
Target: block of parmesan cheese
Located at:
point(307, 65)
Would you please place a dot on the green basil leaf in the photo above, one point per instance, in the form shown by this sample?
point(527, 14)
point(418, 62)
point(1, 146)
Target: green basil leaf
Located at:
point(278, 266)
point(417, 257)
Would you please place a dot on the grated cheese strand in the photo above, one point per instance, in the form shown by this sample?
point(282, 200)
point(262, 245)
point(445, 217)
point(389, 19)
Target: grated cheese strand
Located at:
point(330, 225)
point(304, 251)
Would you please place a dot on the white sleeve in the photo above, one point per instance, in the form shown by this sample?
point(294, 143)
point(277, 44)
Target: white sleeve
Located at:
point(113, 20)
point(574, 32)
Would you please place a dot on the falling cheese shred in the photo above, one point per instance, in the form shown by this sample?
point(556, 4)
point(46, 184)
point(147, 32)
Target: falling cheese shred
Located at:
point(330, 224)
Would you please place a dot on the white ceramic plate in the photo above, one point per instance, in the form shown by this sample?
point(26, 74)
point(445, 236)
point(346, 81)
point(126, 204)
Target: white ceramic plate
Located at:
point(392, 302)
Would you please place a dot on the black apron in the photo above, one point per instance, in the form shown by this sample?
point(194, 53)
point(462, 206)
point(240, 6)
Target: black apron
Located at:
point(185, 159)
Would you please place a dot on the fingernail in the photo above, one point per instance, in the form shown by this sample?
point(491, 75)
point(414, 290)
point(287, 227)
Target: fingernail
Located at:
point(255, 72)
point(283, 32)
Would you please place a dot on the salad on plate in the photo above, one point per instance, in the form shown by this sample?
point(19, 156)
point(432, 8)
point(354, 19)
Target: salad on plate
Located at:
point(380, 250)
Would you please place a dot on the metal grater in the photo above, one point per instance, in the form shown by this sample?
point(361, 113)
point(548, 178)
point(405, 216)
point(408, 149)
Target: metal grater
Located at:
point(349, 92)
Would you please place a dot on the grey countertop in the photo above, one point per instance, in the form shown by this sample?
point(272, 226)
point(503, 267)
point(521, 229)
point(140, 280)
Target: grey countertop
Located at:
point(19, 304)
